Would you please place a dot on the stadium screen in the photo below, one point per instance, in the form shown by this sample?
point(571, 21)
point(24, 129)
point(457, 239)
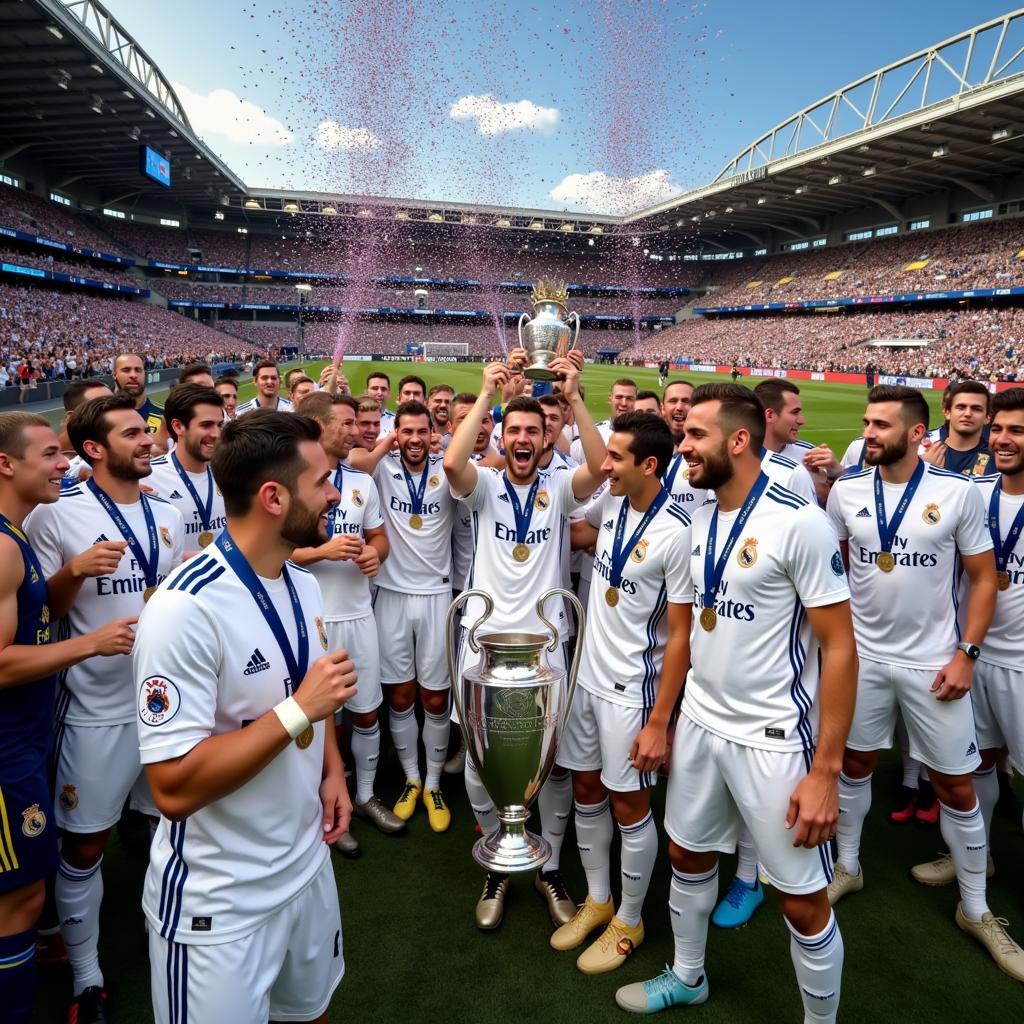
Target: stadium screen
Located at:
point(155, 166)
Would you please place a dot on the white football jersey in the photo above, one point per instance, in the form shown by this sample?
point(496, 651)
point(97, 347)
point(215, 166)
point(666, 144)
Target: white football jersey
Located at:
point(624, 646)
point(853, 457)
point(791, 475)
point(99, 690)
point(677, 482)
point(754, 678)
point(796, 450)
point(387, 423)
point(462, 540)
point(515, 586)
point(1004, 641)
point(908, 616)
point(168, 484)
point(346, 591)
point(604, 428)
point(420, 561)
point(283, 405)
point(206, 663)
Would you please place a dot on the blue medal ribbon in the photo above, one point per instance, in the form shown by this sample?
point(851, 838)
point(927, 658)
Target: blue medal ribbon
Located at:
point(150, 565)
point(416, 491)
point(297, 664)
point(670, 475)
point(339, 475)
point(522, 518)
point(205, 510)
point(887, 530)
point(1003, 548)
point(715, 570)
point(620, 551)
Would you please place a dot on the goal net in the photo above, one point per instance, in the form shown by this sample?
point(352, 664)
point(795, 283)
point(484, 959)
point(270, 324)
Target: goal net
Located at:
point(434, 349)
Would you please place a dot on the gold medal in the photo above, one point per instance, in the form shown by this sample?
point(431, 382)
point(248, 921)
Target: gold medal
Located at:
point(1003, 580)
point(205, 538)
point(885, 561)
point(304, 738)
point(708, 619)
point(416, 521)
point(520, 552)
point(148, 593)
point(611, 596)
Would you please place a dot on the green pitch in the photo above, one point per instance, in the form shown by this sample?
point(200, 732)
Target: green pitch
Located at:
point(413, 953)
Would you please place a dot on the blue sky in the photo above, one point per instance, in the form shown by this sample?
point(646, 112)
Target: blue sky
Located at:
point(595, 105)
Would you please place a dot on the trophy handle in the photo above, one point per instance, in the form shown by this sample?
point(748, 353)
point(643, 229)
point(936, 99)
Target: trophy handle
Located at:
point(575, 666)
point(573, 317)
point(471, 639)
point(519, 329)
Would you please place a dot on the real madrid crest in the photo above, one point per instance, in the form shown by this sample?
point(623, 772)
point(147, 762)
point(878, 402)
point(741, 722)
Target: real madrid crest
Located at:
point(434, 482)
point(639, 553)
point(321, 632)
point(68, 798)
point(165, 536)
point(33, 821)
point(357, 497)
point(159, 700)
point(931, 514)
point(747, 554)
point(542, 501)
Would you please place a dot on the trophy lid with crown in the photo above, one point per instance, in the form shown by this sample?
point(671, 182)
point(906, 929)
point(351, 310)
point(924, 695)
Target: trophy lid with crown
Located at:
point(550, 290)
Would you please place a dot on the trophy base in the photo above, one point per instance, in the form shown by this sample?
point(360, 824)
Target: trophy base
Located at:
point(538, 371)
point(508, 853)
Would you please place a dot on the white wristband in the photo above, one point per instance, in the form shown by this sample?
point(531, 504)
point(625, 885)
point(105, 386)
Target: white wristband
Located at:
point(292, 717)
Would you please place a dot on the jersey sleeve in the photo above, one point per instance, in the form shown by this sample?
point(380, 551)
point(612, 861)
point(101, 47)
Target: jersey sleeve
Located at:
point(853, 455)
point(477, 498)
point(175, 666)
point(43, 532)
point(972, 536)
point(801, 483)
point(813, 560)
point(372, 517)
point(678, 574)
point(567, 500)
point(592, 513)
point(835, 513)
point(576, 451)
point(178, 535)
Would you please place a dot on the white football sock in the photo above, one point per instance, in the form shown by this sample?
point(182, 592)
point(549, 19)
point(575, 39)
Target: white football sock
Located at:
point(365, 754)
point(554, 802)
point(746, 859)
point(483, 806)
point(854, 804)
point(691, 899)
point(986, 785)
point(639, 852)
point(437, 730)
point(594, 839)
point(79, 893)
point(405, 734)
point(964, 832)
point(818, 960)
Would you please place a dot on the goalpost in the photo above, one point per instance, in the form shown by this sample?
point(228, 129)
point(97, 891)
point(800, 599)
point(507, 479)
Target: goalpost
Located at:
point(439, 349)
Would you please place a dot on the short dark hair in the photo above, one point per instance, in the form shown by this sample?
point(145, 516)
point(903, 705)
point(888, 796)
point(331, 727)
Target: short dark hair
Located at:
point(301, 378)
point(12, 431)
point(673, 383)
point(463, 398)
point(550, 400)
point(227, 378)
point(438, 388)
point(412, 379)
point(914, 408)
point(265, 364)
point(773, 391)
point(256, 448)
point(378, 373)
point(182, 401)
point(966, 387)
point(413, 408)
point(193, 370)
point(651, 437)
point(624, 382)
point(74, 393)
point(740, 408)
point(319, 404)
point(90, 420)
point(1010, 400)
point(646, 395)
point(523, 403)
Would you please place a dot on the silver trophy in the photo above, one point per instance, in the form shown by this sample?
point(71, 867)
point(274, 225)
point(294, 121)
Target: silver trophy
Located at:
point(545, 336)
point(513, 708)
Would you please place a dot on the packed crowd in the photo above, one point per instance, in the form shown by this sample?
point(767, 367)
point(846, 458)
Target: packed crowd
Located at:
point(67, 263)
point(25, 211)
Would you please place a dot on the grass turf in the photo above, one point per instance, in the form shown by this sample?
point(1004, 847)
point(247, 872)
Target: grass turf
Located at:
point(413, 952)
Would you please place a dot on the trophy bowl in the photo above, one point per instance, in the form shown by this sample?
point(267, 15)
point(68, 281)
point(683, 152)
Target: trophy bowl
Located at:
point(513, 707)
point(546, 335)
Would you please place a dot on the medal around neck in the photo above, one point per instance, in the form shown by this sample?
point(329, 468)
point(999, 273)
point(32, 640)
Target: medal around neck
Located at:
point(545, 336)
point(513, 707)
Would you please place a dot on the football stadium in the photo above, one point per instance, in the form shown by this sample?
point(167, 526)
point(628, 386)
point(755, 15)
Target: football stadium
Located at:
point(875, 238)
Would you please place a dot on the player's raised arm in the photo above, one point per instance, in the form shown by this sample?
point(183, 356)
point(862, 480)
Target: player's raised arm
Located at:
point(588, 477)
point(367, 459)
point(458, 467)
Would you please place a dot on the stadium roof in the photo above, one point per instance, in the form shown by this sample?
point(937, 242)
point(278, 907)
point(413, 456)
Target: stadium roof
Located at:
point(77, 97)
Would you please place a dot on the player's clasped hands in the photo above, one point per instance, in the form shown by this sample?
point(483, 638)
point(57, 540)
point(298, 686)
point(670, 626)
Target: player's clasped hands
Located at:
point(368, 561)
point(340, 547)
point(329, 683)
point(99, 560)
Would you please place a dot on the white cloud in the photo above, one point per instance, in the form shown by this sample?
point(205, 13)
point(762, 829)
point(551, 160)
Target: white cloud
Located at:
point(494, 117)
point(598, 192)
point(331, 135)
point(222, 112)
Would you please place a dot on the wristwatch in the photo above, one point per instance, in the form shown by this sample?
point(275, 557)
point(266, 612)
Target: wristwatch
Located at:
point(973, 651)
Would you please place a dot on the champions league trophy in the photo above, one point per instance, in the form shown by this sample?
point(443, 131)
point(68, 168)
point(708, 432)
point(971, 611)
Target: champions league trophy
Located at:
point(513, 708)
point(546, 335)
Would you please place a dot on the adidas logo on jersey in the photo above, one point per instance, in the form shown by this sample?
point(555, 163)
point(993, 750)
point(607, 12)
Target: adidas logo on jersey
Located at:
point(863, 514)
point(174, 495)
point(972, 749)
point(609, 525)
point(696, 551)
point(101, 539)
point(257, 663)
point(503, 497)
